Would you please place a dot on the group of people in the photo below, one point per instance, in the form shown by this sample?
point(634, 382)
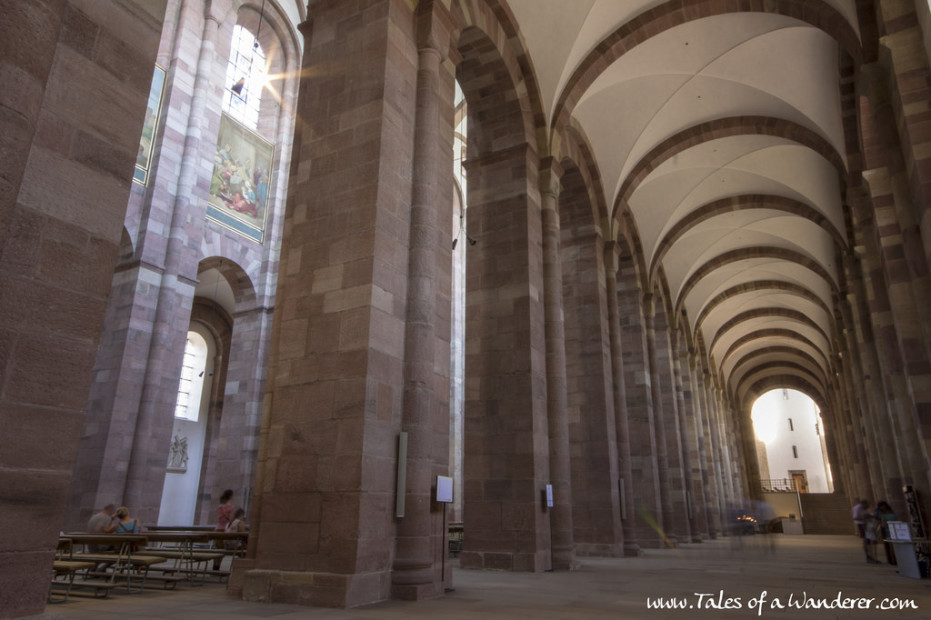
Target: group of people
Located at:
point(873, 527)
point(113, 520)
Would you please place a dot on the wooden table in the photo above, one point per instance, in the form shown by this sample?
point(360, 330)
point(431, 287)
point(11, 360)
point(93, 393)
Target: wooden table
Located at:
point(127, 560)
point(178, 528)
point(222, 537)
point(64, 570)
point(182, 547)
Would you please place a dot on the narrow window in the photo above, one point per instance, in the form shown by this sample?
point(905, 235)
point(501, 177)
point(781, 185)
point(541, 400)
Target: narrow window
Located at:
point(191, 384)
point(795, 451)
point(245, 78)
point(791, 428)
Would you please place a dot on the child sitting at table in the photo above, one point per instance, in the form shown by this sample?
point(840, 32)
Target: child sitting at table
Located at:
point(238, 524)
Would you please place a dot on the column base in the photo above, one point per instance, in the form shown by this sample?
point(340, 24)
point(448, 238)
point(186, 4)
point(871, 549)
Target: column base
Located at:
point(309, 588)
point(599, 550)
point(648, 543)
point(417, 592)
point(563, 559)
point(517, 562)
point(632, 550)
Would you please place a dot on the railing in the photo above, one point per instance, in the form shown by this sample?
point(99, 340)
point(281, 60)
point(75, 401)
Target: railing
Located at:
point(779, 485)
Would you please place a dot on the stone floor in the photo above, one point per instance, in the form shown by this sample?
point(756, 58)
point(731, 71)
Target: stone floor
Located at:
point(778, 568)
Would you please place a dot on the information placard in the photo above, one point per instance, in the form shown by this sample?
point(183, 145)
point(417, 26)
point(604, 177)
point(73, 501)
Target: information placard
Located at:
point(898, 530)
point(444, 489)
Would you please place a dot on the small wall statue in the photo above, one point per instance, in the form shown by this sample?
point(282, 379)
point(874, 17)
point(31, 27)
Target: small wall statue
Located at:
point(177, 458)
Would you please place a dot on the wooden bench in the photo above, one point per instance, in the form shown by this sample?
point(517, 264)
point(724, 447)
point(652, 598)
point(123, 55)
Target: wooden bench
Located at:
point(190, 551)
point(140, 578)
point(127, 565)
point(132, 570)
point(187, 565)
point(65, 569)
point(63, 573)
point(179, 528)
point(238, 540)
point(86, 585)
point(187, 556)
point(456, 535)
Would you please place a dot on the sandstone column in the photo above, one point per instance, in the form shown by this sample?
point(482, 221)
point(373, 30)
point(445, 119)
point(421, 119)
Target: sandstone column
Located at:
point(648, 507)
point(661, 453)
point(64, 118)
point(421, 531)
point(590, 400)
point(563, 550)
point(326, 482)
point(174, 269)
point(622, 425)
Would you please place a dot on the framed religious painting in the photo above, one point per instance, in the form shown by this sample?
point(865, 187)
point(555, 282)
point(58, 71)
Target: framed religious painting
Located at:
point(239, 186)
point(149, 127)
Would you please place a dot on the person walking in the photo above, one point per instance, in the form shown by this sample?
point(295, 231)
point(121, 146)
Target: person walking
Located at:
point(861, 516)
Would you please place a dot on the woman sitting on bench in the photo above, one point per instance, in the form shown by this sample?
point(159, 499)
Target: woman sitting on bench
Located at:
point(238, 524)
point(122, 523)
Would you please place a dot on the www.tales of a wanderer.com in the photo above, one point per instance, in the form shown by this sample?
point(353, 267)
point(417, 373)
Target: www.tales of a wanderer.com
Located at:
point(766, 602)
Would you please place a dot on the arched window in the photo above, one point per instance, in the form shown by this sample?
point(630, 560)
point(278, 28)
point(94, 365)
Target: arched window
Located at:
point(191, 385)
point(245, 78)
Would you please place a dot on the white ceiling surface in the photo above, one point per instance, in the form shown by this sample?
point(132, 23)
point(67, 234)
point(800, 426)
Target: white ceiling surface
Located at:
point(212, 285)
point(731, 65)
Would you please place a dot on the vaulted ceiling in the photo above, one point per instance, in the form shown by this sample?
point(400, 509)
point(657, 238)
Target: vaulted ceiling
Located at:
point(719, 137)
point(718, 132)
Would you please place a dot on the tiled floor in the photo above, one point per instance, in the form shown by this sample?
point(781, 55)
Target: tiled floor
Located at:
point(819, 567)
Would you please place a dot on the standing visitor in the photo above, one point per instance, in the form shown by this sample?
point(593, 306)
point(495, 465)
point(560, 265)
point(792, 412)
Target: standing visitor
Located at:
point(225, 512)
point(861, 514)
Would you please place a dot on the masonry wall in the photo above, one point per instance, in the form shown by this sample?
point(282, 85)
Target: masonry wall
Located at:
point(168, 246)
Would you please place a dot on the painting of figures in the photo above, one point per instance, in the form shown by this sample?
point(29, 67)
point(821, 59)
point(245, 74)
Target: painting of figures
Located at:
point(241, 174)
point(144, 155)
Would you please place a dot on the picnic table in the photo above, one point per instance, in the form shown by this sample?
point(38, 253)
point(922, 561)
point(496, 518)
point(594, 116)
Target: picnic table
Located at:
point(188, 549)
point(119, 558)
point(64, 571)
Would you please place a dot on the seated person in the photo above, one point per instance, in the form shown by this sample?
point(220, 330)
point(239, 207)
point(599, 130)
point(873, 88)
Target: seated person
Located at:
point(123, 523)
point(238, 524)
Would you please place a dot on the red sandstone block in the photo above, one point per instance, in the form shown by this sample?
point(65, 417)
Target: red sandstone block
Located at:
point(69, 256)
point(292, 341)
point(346, 474)
point(28, 447)
point(36, 497)
point(113, 160)
point(22, 593)
point(520, 520)
point(51, 371)
point(330, 591)
point(65, 311)
point(296, 475)
point(300, 593)
point(498, 561)
point(288, 539)
point(79, 32)
point(299, 507)
point(23, 243)
point(370, 586)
